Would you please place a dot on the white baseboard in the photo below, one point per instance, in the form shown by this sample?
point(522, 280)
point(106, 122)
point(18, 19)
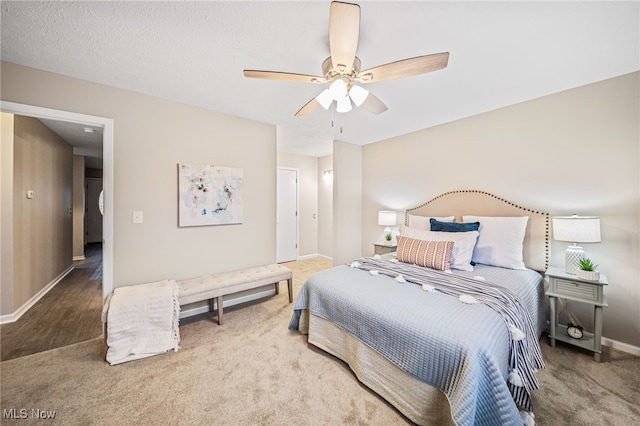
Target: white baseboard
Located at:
point(308, 256)
point(228, 303)
point(623, 347)
point(313, 256)
point(15, 316)
point(78, 258)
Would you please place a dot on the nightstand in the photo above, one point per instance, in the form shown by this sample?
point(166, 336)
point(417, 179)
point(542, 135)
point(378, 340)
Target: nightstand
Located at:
point(384, 247)
point(570, 287)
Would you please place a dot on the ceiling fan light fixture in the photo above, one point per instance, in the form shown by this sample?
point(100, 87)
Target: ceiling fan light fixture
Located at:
point(358, 95)
point(338, 89)
point(343, 68)
point(344, 104)
point(325, 98)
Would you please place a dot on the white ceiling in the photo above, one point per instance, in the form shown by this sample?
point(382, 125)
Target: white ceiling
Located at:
point(501, 53)
point(86, 140)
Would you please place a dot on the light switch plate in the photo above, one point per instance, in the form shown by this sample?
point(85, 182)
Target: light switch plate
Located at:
point(137, 217)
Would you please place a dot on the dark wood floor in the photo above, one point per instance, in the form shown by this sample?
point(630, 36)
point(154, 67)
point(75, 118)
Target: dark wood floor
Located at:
point(69, 313)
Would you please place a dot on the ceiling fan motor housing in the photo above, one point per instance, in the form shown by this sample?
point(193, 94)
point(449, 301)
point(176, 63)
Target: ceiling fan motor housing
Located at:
point(331, 73)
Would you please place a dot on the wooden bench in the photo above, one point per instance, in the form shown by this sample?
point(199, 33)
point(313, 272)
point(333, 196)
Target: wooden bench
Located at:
point(217, 286)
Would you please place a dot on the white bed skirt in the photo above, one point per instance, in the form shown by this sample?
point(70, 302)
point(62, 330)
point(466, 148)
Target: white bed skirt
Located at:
point(418, 401)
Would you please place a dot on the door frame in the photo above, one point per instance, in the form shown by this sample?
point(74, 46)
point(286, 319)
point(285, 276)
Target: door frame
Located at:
point(297, 209)
point(107, 166)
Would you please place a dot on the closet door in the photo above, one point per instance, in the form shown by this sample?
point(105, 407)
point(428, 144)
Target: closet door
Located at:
point(287, 215)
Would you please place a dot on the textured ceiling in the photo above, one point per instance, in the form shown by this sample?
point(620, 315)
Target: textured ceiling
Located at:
point(501, 53)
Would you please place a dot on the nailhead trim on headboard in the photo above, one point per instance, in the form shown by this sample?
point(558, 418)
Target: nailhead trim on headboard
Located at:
point(537, 212)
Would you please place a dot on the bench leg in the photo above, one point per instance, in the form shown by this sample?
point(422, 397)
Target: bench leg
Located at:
point(289, 287)
point(220, 309)
point(212, 306)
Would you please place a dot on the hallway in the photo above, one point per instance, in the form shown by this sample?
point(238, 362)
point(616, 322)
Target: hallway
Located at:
point(69, 313)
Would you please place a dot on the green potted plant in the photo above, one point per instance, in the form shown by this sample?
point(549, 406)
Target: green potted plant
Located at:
point(587, 270)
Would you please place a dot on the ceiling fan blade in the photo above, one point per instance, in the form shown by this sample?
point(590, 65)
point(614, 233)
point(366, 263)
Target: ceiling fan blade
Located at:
point(405, 68)
point(285, 76)
point(344, 31)
point(309, 107)
point(374, 105)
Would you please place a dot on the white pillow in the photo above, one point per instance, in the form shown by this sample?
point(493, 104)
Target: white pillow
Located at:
point(501, 240)
point(463, 243)
point(422, 222)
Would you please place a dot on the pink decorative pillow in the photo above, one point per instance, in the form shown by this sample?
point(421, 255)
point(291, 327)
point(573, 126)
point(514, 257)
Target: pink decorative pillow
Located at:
point(432, 254)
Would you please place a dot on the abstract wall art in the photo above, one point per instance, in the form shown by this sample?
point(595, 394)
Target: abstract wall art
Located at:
point(209, 195)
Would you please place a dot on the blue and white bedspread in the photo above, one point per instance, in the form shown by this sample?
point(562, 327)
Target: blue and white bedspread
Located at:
point(482, 355)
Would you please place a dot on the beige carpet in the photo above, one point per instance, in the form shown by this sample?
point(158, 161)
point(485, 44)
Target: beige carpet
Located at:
point(254, 371)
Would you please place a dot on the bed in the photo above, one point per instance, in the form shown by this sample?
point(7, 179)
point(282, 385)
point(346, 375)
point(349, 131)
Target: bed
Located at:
point(451, 341)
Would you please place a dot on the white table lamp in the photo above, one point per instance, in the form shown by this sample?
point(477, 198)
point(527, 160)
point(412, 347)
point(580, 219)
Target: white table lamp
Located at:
point(575, 229)
point(387, 218)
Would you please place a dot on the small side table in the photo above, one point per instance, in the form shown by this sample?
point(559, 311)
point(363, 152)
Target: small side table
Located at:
point(570, 287)
point(384, 247)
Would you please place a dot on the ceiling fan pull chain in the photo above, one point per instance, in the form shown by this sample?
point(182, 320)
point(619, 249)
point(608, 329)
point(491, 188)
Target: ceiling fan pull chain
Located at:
point(333, 111)
point(333, 108)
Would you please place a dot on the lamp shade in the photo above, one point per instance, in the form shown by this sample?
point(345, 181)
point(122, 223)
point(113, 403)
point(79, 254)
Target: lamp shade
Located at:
point(338, 89)
point(576, 229)
point(387, 218)
point(343, 104)
point(358, 95)
point(325, 98)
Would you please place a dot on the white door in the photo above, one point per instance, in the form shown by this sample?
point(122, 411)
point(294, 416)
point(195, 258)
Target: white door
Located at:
point(92, 212)
point(287, 215)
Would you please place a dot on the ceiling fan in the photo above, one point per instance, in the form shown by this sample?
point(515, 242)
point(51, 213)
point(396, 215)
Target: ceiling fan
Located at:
point(342, 69)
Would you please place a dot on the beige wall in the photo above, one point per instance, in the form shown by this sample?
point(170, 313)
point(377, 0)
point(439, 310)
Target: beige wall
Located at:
point(347, 202)
point(78, 207)
point(151, 136)
point(573, 152)
point(325, 208)
point(42, 225)
point(6, 213)
point(307, 200)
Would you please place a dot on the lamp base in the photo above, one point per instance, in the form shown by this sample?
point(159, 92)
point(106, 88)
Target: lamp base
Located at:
point(572, 257)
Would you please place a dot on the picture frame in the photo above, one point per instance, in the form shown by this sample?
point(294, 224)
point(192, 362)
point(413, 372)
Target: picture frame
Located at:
point(209, 195)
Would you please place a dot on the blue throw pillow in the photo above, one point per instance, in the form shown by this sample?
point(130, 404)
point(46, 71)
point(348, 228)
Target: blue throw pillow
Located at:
point(436, 225)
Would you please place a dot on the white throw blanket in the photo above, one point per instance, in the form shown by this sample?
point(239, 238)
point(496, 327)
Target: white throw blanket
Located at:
point(142, 320)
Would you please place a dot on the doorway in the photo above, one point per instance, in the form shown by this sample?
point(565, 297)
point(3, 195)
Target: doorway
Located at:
point(287, 215)
point(107, 150)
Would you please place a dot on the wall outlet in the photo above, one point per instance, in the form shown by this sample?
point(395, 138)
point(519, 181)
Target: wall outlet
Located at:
point(31, 193)
point(137, 217)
